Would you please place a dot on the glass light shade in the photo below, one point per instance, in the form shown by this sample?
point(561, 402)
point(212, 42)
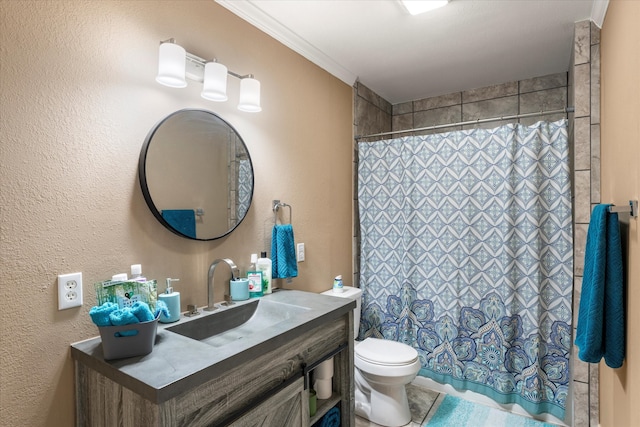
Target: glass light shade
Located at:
point(172, 65)
point(249, 95)
point(416, 7)
point(215, 82)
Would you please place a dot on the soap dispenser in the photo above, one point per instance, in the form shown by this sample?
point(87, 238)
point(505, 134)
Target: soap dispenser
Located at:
point(172, 299)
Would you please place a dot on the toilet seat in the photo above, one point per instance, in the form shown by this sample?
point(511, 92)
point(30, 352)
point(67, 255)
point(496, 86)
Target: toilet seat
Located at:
point(386, 358)
point(386, 352)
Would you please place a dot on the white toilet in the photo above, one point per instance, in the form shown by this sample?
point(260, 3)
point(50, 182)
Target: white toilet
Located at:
point(382, 370)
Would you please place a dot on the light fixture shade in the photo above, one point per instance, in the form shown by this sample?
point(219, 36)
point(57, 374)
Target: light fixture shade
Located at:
point(215, 82)
point(249, 95)
point(416, 7)
point(171, 65)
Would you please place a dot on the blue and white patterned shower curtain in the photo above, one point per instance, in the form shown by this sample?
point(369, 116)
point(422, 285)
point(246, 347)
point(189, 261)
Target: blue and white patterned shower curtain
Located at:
point(245, 185)
point(467, 255)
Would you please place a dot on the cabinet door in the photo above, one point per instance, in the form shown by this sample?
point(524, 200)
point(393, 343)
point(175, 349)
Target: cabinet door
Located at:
point(287, 408)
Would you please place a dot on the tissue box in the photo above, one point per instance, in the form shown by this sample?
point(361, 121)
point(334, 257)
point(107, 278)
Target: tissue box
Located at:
point(126, 293)
point(138, 340)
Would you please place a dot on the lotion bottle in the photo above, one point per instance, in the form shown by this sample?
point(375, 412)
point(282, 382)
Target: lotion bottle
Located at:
point(172, 299)
point(255, 278)
point(264, 265)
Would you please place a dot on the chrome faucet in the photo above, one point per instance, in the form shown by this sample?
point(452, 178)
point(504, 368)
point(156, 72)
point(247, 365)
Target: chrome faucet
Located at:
point(234, 275)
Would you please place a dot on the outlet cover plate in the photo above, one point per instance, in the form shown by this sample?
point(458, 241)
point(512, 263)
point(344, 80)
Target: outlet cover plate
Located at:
point(69, 290)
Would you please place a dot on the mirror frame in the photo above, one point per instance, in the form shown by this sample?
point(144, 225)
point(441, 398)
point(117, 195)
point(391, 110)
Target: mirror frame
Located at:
point(142, 175)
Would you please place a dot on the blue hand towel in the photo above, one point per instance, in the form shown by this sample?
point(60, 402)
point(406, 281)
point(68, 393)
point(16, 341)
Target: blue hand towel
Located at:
point(600, 332)
point(100, 314)
point(142, 311)
point(161, 308)
point(283, 252)
point(182, 220)
point(122, 317)
point(331, 418)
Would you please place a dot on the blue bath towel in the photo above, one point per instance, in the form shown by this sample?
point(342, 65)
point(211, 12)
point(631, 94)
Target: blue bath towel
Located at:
point(100, 314)
point(600, 332)
point(331, 418)
point(182, 220)
point(283, 252)
point(142, 311)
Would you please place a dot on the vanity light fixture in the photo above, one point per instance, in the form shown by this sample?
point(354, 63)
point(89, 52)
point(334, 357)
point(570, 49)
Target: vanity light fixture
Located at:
point(175, 64)
point(416, 7)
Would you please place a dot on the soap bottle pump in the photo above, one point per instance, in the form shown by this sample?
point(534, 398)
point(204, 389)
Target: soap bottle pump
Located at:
point(172, 299)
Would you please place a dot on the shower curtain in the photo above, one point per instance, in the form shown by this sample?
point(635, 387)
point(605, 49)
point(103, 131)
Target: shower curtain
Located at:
point(467, 256)
point(245, 186)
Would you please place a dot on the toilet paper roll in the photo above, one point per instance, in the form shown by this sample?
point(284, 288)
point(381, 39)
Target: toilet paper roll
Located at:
point(324, 371)
point(323, 388)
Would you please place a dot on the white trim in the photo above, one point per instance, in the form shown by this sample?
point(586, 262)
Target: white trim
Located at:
point(255, 16)
point(598, 11)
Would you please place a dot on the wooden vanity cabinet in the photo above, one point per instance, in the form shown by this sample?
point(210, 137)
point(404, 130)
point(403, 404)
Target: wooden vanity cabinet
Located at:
point(268, 390)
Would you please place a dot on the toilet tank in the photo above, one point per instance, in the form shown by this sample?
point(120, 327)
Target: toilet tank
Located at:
point(353, 293)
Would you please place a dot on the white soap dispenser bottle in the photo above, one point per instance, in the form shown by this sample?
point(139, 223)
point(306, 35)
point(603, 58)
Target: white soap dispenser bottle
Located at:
point(172, 299)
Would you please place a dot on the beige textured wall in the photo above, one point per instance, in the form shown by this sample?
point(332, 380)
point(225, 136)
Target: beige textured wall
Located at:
point(620, 124)
point(77, 98)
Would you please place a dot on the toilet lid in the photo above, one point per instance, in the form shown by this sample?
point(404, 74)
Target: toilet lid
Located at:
point(385, 352)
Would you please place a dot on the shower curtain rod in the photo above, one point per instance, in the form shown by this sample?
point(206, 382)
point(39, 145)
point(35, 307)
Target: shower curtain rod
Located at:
point(472, 122)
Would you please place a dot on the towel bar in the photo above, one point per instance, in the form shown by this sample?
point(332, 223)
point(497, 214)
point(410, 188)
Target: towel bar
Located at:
point(632, 209)
point(277, 205)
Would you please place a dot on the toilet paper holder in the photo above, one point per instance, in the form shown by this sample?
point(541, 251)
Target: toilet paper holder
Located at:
point(306, 369)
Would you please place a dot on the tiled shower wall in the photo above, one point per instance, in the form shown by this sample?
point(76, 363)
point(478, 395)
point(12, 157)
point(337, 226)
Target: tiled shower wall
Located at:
point(580, 88)
point(584, 91)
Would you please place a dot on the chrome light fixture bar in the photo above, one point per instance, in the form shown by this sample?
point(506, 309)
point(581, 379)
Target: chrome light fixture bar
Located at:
point(175, 64)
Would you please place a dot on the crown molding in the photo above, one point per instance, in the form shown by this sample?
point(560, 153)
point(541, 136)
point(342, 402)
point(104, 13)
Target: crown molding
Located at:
point(598, 11)
point(255, 16)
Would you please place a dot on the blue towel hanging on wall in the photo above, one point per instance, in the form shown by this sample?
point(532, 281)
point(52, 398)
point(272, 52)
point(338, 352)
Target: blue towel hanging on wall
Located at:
point(283, 252)
point(182, 220)
point(600, 332)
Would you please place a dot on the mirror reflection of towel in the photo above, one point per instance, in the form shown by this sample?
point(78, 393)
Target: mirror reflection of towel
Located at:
point(182, 220)
point(283, 252)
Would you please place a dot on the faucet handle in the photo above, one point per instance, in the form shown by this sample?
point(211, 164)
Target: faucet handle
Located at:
point(192, 310)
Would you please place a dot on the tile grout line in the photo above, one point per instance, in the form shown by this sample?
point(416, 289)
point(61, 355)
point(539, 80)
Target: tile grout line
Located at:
point(430, 409)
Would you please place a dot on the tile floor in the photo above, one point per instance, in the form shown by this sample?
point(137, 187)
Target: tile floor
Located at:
point(420, 401)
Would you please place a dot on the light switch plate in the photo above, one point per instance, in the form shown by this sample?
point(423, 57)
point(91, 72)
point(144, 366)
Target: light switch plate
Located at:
point(300, 251)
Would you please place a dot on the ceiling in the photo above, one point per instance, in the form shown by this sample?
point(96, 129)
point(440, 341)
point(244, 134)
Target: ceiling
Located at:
point(464, 45)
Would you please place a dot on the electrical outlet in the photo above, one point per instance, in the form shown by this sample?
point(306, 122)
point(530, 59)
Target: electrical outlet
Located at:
point(69, 290)
point(300, 251)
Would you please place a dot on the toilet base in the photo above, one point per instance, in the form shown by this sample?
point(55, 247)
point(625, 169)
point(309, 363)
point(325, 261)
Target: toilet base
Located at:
point(386, 405)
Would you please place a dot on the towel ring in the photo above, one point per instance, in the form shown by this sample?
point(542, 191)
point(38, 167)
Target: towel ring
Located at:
point(277, 205)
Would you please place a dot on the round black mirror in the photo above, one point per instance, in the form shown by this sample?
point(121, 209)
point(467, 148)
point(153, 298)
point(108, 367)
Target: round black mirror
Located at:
point(196, 174)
